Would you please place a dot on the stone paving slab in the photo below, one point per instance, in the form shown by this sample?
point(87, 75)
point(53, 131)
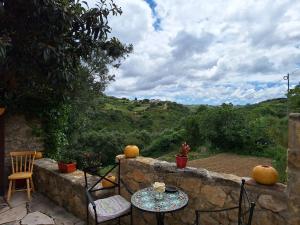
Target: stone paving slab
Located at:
point(18, 198)
point(13, 214)
point(3, 205)
point(37, 218)
point(39, 211)
point(12, 223)
point(4, 209)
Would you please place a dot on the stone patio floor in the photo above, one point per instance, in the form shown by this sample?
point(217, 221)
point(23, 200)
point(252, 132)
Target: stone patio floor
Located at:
point(39, 211)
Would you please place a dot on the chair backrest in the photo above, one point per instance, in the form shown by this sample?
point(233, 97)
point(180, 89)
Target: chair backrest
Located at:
point(22, 161)
point(246, 207)
point(95, 170)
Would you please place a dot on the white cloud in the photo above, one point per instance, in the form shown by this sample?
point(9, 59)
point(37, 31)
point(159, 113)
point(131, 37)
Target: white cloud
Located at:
point(208, 51)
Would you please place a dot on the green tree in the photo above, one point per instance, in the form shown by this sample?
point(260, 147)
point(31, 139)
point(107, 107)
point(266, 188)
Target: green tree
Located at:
point(192, 128)
point(54, 58)
point(294, 99)
point(223, 127)
point(45, 44)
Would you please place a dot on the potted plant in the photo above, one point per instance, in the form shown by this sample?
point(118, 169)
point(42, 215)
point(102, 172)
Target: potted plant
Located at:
point(66, 162)
point(182, 157)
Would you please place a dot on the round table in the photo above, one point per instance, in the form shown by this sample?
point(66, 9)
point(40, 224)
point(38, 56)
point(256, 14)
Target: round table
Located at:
point(145, 200)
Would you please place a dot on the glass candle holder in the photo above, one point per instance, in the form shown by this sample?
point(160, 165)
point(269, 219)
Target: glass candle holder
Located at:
point(158, 195)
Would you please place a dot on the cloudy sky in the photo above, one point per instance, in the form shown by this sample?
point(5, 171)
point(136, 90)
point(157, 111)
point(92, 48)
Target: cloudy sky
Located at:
point(207, 51)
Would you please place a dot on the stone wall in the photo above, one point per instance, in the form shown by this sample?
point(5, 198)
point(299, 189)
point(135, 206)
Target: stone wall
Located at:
point(66, 190)
point(19, 137)
point(293, 170)
point(205, 189)
point(19, 134)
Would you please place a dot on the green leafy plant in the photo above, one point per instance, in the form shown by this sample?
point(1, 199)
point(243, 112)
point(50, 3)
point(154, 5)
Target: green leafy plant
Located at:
point(66, 156)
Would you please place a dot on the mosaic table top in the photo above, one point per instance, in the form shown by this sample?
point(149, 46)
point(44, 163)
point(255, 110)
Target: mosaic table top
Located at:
point(145, 200)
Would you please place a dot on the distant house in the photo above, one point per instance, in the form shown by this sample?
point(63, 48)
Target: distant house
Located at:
point(155, 101)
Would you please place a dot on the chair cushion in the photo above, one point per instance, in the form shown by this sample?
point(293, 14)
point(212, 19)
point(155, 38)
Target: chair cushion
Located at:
point(20, 175)
point(110, 208)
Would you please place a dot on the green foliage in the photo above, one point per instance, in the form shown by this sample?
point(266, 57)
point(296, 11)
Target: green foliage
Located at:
point(108, 144)
point(257, 133)
point(56, 128)
point(165, 142)
point(294, 99)
point(237, 129)
point(222, 127)
point(44, 45)
point(54, 59)
point(193, 130)
point(127, 116)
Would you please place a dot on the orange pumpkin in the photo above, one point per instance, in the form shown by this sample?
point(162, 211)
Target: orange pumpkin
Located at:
point(131, 151)
point(106, 183)
point(264, 174)
point(39, 155)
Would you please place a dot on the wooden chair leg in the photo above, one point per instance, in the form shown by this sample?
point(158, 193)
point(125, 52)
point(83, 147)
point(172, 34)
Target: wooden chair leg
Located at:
point(13, 187)
point(9, 190)
point(32, 185)
point(28, 188)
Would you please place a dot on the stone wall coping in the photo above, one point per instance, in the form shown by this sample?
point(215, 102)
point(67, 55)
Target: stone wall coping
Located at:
point(294, 115)
point(76, 178)
point(51, 165)
point(208, 176)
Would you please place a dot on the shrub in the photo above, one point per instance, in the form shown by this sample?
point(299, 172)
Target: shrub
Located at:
point(167, 141)
point(222, 127)
point(194, 137)
point(108, 144)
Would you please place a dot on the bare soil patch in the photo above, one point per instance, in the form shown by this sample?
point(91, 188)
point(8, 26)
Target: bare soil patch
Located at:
point(230, 163)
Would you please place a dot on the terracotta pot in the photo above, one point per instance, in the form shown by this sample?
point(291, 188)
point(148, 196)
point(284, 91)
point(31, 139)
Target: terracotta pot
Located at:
point(131, 151)
point(39, 155)
point(106, 183)
point(264, 174)
point(181, 161)
point(66, 167)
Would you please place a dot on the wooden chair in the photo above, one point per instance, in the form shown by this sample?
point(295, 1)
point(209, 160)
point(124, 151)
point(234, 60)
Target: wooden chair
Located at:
point(22, 167)
point(245, 208)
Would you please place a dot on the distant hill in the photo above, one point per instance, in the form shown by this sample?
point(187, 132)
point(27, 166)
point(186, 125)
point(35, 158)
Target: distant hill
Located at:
point(127, 115)
point(274, 107)
point(124, 115)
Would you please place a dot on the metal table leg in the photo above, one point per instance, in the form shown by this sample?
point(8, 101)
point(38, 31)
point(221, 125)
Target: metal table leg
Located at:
point(160, 218)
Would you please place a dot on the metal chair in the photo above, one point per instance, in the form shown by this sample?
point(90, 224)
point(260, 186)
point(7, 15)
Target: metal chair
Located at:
point(22, 168)
point(245, 208)
point(106, 209)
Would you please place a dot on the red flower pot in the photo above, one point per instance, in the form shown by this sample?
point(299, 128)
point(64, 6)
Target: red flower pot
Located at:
point(66, 167)
point(181, 161)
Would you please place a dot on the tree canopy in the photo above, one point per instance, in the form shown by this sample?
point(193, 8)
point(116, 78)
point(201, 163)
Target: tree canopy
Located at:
point(294, 99)
point(51, 49)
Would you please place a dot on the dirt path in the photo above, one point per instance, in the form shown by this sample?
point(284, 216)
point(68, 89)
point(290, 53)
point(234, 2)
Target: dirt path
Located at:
point(230, 163)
